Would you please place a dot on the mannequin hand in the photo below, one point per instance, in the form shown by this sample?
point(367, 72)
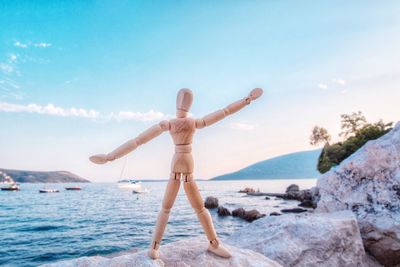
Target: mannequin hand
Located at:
point(255, 93)
point(99, 158)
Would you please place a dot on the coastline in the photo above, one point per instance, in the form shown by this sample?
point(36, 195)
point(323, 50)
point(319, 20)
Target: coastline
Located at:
point(356, 221)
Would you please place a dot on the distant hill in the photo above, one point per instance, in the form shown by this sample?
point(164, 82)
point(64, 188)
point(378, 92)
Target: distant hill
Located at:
point(42, 177)
point(295, 165)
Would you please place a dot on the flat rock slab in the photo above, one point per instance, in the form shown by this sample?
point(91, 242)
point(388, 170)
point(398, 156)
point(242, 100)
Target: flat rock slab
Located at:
point(305, 240)
point(185, 253)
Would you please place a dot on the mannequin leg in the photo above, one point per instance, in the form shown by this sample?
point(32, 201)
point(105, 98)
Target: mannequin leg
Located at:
point(204, 216)
point(169, 198)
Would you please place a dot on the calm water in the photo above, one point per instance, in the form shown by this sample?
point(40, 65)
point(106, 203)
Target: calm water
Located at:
point(103, 219)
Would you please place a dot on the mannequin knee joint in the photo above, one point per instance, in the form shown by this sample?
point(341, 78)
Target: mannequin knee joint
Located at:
point(165, 210)
point(201, 210)
point(175, 176)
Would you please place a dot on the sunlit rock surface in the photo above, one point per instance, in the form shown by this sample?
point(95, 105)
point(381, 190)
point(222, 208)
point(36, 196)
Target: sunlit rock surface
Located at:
point(305, 240)
point(368, 183)
point(188, 252)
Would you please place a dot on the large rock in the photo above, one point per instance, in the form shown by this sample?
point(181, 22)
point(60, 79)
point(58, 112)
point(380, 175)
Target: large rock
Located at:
point(305, 240)
point(188, 252)
point(249, 215)
point(239, 212)
point(211, 203)
point(292, 188)
point(222, 211)
point(367, 183)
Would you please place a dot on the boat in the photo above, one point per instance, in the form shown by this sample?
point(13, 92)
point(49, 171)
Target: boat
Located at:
point(48, 190)
point(8, 183)
point(11, 187)
point(142, 191)
point(73, 188)
point(131, 184)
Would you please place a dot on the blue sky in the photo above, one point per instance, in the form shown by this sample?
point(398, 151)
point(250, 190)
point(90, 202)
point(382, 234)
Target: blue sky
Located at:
point(81, 77)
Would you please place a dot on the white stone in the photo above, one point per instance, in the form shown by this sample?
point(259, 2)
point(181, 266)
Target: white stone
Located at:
point(366, 183)
point(188, 252)
point(305, 240)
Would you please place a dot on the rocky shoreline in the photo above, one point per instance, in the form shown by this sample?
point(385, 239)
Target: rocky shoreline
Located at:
point(307, 198)
point(353, 220)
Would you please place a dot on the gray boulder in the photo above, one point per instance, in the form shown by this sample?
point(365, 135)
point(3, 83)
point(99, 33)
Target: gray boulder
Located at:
point(211, 203)
point(368, 183)
point(249, 215)
point(222, 211)
point(292, 188)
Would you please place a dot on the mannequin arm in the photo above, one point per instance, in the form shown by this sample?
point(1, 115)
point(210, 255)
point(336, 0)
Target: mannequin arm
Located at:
point(228, 110)
point(132, 144)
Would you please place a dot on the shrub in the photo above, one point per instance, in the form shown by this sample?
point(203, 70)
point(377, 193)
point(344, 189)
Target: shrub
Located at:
point(357, 135)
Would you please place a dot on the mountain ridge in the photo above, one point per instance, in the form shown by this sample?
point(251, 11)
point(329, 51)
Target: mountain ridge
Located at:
point(25, 176)
point(301, 164)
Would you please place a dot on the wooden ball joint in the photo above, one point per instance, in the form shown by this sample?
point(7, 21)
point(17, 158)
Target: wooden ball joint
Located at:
point(182, 130)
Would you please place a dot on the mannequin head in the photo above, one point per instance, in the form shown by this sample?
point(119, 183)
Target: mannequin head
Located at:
point(184, 101)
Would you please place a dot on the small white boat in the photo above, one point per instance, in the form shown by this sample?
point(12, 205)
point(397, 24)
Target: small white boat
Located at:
point(131, 184)
point(49, 190)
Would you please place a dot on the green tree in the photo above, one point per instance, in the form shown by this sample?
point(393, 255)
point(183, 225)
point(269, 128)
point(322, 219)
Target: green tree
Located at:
point(357, 131)
point(351, 123)
point(319, 135)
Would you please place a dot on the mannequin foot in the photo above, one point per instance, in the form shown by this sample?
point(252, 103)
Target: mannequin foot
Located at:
point(153, 253)
point(218, 249)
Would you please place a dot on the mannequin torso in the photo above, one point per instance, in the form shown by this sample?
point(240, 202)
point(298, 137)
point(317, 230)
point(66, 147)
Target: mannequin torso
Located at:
point(182, 131)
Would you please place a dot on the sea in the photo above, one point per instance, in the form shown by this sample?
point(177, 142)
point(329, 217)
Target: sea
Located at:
point(103, 219)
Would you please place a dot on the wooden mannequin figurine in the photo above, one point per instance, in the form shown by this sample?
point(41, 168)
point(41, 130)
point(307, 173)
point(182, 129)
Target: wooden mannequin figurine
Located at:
point(182, 130)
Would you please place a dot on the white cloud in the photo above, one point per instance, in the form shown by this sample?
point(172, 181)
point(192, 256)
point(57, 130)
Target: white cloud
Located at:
point(26, 45)
point(21, 45)
point(241, 126)
point(340, 82)
point(322, 86)
point(12, 58)
point(43, 45)
point(49, 109)
point(91, 114)
point(334, 82)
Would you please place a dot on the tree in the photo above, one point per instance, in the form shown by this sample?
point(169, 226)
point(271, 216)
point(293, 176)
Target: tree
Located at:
point(319, 135)
point(351, 123)
point(356, 131)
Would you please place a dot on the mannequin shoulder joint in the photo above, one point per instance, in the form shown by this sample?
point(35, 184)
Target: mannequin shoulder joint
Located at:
point(165, 125)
